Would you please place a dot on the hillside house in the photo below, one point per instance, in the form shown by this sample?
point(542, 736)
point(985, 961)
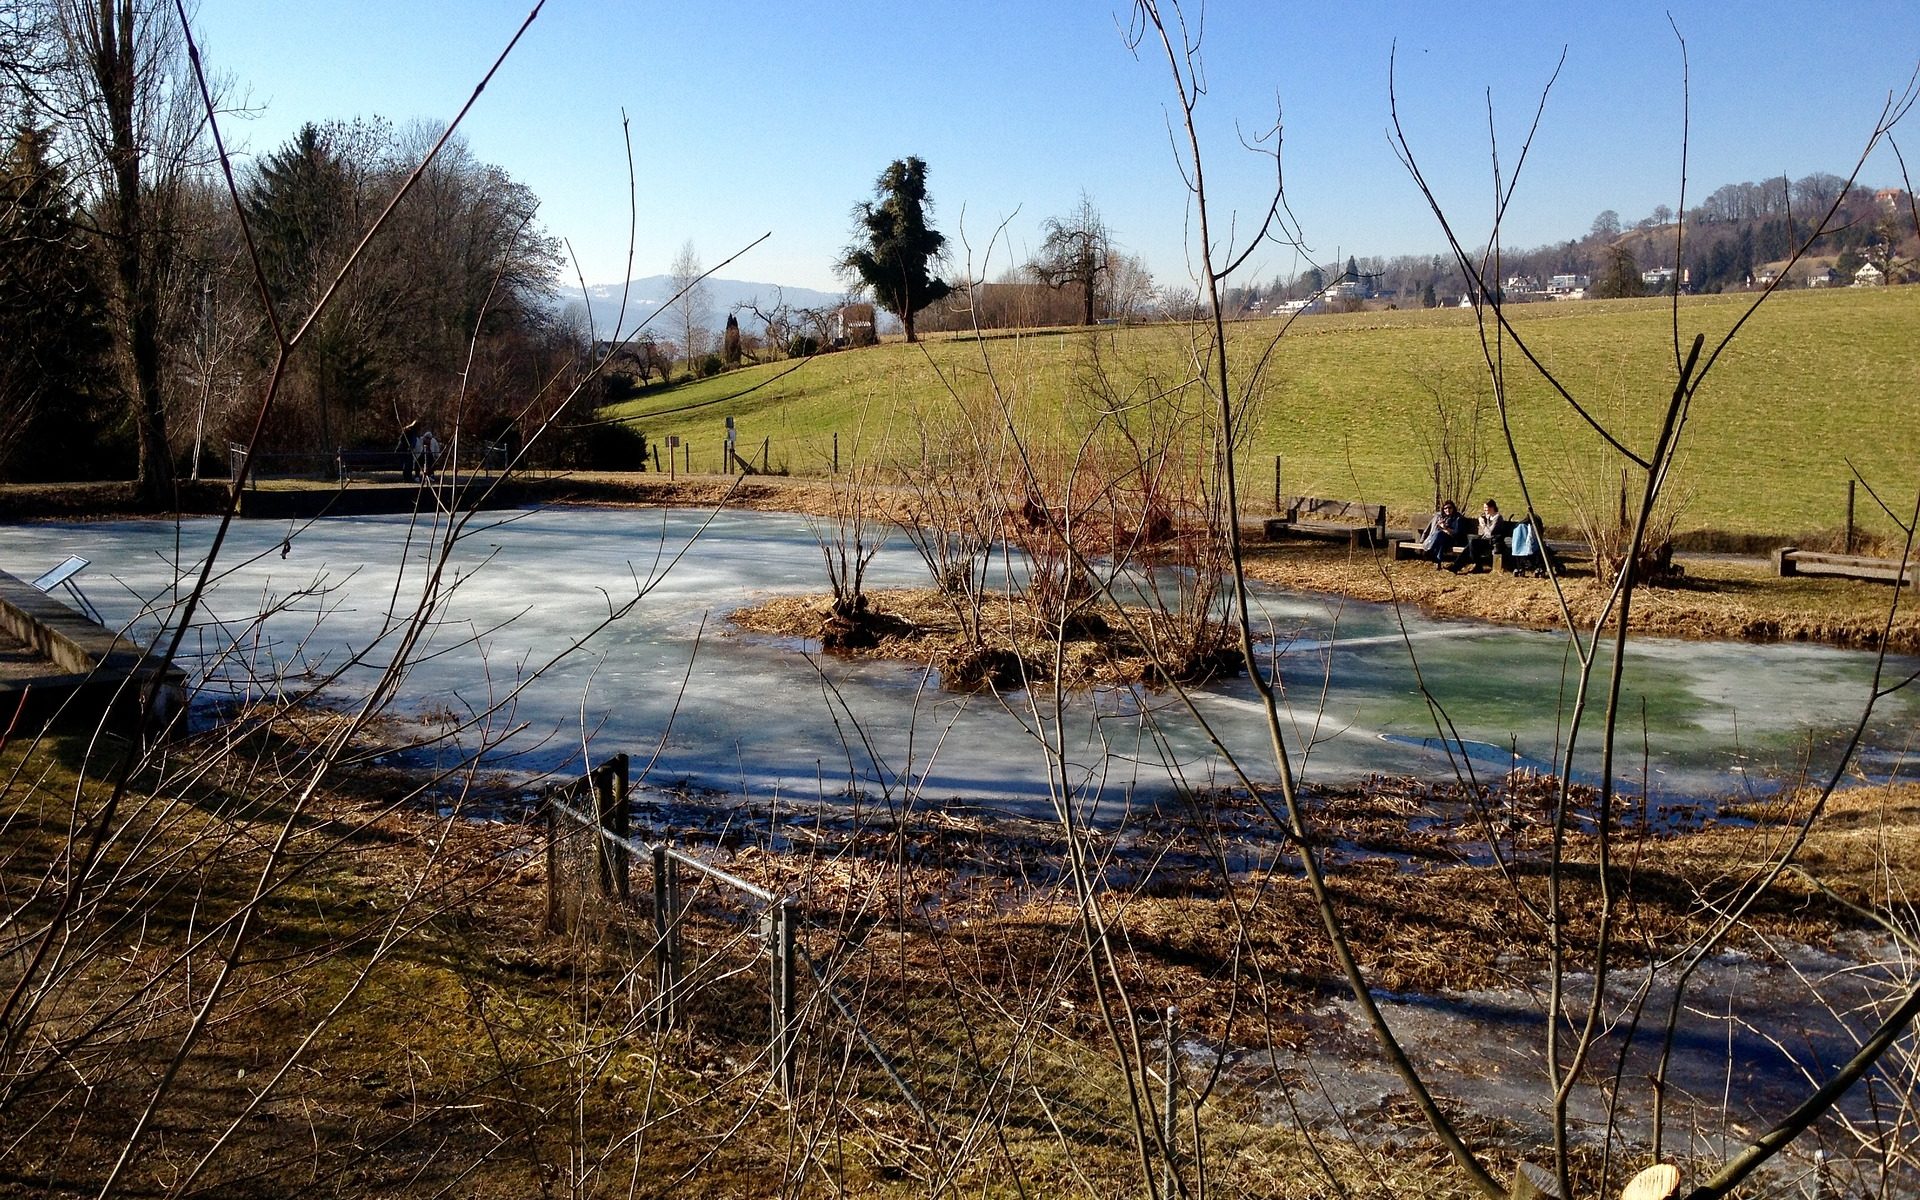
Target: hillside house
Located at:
point(1568, 287)
point(1658, 279)
point(852, 325)
point(1869, 276)
point(1821, 277)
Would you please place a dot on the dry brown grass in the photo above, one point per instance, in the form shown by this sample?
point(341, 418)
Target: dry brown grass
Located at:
point(1717, 598)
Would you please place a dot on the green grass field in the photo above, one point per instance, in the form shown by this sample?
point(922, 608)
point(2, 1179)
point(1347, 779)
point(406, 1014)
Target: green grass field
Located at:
point(1813, 380)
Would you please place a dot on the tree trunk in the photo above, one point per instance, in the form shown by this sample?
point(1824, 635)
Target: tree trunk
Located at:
point(115, 70)
point(1086, 295)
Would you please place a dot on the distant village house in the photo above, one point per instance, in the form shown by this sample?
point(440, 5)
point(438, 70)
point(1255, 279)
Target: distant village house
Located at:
point(852, 325)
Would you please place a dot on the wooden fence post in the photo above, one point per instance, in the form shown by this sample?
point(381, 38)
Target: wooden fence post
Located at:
point(836, 452)
point(1276, 484)
point(1850, 541)
point(1533, 1183)
point(609, 788)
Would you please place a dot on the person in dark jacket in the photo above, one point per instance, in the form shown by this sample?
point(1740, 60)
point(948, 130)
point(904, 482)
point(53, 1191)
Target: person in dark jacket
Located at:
point(1441, 533)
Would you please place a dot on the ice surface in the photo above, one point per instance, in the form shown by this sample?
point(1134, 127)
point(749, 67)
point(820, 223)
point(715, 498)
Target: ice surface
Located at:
point(668, 680)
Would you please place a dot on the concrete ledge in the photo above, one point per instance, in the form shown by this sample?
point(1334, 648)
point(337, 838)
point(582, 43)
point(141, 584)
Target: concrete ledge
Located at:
point(57, 633)
point(89, 665)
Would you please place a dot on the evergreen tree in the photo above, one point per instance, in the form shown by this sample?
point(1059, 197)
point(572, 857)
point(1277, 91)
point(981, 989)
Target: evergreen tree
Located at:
point(53, 357)
point(303, 205)
point(1622, 276)
point(299, 205)
point(894, 245)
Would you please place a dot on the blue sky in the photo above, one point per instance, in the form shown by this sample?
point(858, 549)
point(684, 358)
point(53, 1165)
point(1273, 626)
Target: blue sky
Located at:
point(757, 117)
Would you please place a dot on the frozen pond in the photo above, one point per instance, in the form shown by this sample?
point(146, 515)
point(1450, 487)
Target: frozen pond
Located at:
point(750, 716)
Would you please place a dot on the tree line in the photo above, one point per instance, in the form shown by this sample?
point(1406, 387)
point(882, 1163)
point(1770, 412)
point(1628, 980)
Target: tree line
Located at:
point(137, 326)
point(1730, 237)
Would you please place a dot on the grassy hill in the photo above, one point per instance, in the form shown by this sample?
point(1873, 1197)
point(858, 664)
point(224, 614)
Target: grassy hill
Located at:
point(1349, 401)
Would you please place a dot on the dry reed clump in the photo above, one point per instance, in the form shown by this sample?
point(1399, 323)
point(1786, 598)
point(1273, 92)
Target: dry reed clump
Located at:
point(1101, 646)
point(1865, 845)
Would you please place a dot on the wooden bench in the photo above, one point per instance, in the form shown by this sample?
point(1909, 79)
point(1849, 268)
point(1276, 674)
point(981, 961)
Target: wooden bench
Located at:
point(1347, 521)
point(1561, 551)
point(1790, 561)
point(351, 463)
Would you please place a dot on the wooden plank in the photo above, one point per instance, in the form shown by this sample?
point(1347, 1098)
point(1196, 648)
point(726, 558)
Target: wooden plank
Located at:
point(1789, 562)
point(1279, 528)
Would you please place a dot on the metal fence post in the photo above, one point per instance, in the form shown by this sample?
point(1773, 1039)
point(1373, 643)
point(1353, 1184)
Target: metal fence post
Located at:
point(1169, 1129)
point(779, 927)
point(556, 922)
point(622, 823)
point(666, 933)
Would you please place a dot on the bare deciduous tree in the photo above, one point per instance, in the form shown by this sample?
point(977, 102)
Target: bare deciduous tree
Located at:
point(693, 307)
point(115, 73)
point(1077, 252)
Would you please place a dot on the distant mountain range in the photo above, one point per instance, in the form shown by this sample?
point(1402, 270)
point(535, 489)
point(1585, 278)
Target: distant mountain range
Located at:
point(645, 297)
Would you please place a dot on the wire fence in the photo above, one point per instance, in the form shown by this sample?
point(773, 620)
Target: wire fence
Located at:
point(707, 946)
point(705, 935)
point(343, 464)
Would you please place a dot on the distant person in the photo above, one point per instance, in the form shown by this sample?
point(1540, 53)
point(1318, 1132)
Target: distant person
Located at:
point(1527, 554)
point(427, 455)
point(1488, 531)
point(1441, 533)
point(409, 449)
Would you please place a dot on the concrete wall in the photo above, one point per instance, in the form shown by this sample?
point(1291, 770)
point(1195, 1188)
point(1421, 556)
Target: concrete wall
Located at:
point(90, 667)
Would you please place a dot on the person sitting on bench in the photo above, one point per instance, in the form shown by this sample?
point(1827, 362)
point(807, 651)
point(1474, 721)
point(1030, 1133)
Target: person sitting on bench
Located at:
point(1484, 541)
point(1442, 532)
point(1527, 553)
